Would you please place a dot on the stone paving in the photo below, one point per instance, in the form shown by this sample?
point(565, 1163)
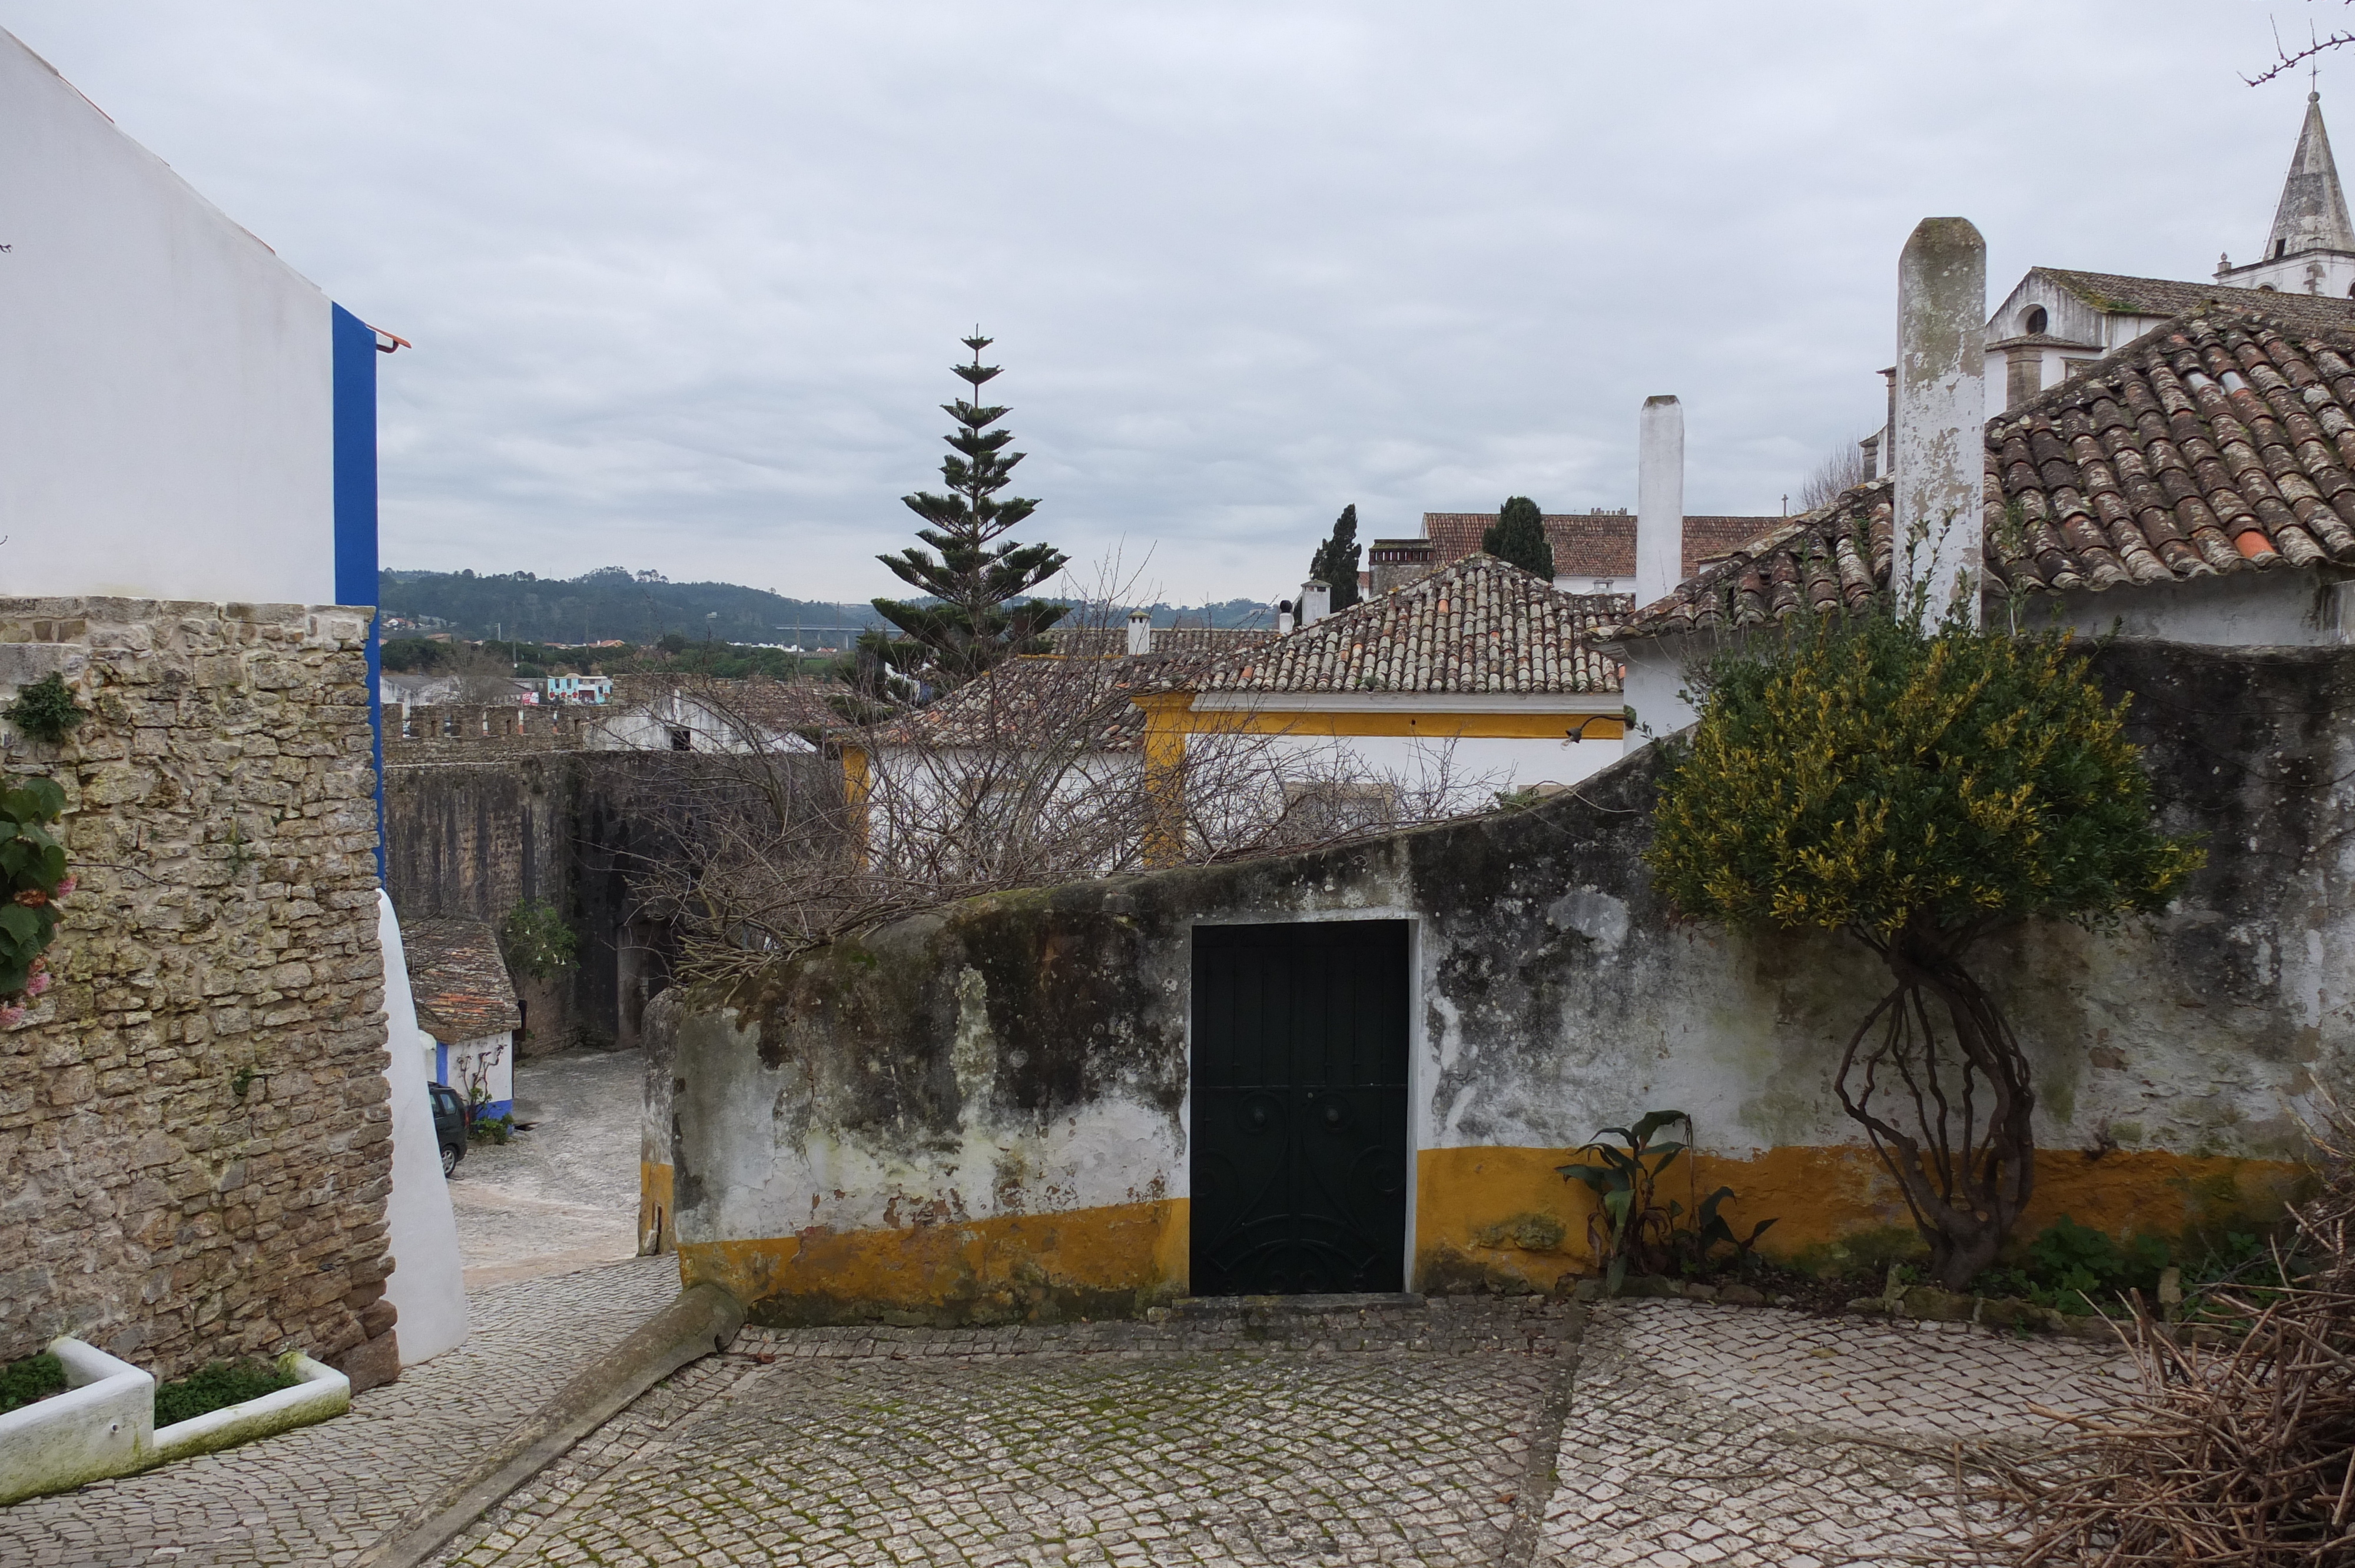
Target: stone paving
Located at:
point(1227, 1436)
point(317, 1496)
point(565, 1194)
point(1715, 1435)
point(1691, 1435)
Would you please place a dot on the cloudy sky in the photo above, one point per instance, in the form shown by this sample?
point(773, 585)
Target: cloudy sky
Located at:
point(684, 280)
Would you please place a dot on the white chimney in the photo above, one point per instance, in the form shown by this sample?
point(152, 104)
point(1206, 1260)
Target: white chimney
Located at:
point(1659, 500)
point(1140, 633)
point(1316, 602)
point(1940, 446)
point(1282, 616)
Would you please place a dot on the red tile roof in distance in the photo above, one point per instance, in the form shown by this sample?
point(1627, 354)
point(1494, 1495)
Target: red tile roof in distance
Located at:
point(2220, 443)
point(1476, 626)
point(1593, 544)
point(459, 979)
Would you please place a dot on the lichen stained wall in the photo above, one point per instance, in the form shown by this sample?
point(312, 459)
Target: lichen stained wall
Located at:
point(195, 1142)
point(981, 1113)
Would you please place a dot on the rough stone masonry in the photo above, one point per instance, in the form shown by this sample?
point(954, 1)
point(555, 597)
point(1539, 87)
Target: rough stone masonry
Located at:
point(195, 1143)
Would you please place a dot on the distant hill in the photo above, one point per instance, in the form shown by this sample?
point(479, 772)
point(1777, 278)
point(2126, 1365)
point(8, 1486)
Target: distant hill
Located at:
point(637, 607)
point(640, 607)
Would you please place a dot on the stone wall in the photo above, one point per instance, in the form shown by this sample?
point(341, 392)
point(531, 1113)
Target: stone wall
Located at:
point(195, 1146)
point(473, 831)
point(983, 1112)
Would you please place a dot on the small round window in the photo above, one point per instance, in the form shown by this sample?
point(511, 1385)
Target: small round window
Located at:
point(2035, 320)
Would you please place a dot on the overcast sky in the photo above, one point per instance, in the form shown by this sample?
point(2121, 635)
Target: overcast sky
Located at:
point(684, 279)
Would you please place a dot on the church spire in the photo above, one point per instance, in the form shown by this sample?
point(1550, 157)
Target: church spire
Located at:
point(2312, 212)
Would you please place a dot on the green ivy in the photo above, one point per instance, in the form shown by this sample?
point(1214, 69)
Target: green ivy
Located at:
point(45, 710)
point(535, 940)
point(32, 879)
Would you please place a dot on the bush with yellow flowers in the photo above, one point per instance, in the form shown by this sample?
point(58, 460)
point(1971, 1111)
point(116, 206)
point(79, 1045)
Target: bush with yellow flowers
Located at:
point(1917, 791)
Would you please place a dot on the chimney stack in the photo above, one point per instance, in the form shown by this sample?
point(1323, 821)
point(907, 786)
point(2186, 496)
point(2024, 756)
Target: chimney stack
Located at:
point(1940, 435)
point(1282, 616)
point(1316, 602)
point(1660, 501)
point(1140, 633)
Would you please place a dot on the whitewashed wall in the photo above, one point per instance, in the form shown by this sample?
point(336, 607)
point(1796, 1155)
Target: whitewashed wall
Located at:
point(166, 382)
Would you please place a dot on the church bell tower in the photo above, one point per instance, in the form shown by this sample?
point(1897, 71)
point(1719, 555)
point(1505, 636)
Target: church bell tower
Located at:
point(2312, 247)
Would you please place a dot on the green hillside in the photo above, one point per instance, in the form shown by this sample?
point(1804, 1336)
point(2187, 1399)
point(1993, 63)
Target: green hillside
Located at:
point(641, 607)
point(637, 607)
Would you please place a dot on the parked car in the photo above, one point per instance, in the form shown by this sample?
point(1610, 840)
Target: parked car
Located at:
point(451, 1117)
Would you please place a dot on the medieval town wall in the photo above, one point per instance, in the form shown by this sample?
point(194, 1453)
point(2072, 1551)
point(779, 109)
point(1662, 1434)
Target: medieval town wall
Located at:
point(195, 1146)
point(982, 1113)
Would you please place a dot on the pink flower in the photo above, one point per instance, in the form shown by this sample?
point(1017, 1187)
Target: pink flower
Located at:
point(36, 985)
point(11, 1016)
point(65, 885)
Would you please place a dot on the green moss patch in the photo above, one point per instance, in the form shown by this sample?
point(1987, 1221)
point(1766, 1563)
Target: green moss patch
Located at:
point(215, 1386)
point(34, 1378)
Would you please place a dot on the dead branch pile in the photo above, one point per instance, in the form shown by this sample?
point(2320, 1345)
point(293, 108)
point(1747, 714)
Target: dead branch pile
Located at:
point(2242, 1452)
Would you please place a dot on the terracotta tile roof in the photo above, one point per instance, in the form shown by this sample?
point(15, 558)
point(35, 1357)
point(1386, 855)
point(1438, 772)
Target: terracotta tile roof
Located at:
point(2168, 297)
point(1043, 701)
point(1592, 544)
point(1477, 625)
point(459, 979)
point(2219, 443)
point(1111, 641)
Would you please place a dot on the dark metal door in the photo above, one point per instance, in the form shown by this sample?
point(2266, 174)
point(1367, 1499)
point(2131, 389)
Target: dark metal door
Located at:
point(1299, 1108)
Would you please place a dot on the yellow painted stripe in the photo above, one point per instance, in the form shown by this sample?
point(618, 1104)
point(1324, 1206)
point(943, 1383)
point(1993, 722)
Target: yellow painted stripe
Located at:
point(1436, 726)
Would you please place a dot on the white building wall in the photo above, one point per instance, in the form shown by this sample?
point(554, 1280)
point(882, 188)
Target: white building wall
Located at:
point(427, 1285)
point(1472, 771)
point(166, 404)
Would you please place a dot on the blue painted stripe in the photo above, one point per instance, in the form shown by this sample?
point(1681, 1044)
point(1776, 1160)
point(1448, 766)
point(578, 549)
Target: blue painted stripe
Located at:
point(490, 1108)
point(356, 531)
point(441, 1063)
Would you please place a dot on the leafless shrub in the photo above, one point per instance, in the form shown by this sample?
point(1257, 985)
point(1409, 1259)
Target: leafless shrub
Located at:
point(1840, 471)
point(786, 832)
point(2239, 1450)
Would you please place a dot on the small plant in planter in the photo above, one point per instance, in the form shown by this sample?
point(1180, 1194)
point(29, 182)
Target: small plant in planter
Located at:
point(34, 1378)
point(215, 1386)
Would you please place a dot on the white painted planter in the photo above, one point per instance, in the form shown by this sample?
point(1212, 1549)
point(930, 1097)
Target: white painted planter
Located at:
point(323, 1391)
point(103, 1425)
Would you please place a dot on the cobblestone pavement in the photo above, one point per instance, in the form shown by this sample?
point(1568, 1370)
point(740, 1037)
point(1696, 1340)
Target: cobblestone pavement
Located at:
point(317, 1496)
point(1228, 1437)
point(1715, 1435)
point(565, 1194)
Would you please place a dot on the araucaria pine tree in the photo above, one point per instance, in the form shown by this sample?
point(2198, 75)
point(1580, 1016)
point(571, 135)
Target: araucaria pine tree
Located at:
point(1336, 561)
point(1519, 536)
point(975, 624)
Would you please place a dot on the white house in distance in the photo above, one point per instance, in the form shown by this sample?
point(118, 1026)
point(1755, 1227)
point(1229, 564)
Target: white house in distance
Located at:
point(467, 1009)
point(1477, 680)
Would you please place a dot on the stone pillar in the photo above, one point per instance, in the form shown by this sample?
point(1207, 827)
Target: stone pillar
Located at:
point(1870, 446)
point(1941, 420)
point(1659, 500)
point(425, 722)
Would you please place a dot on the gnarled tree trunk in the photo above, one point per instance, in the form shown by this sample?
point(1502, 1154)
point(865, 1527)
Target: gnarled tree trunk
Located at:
point(1958, 1138)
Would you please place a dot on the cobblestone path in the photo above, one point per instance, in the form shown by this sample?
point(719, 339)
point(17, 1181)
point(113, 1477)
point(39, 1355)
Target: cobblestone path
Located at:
point(316, 1497)
point(1715, 1435)
point(564, 1195)
point(1236, 1439)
